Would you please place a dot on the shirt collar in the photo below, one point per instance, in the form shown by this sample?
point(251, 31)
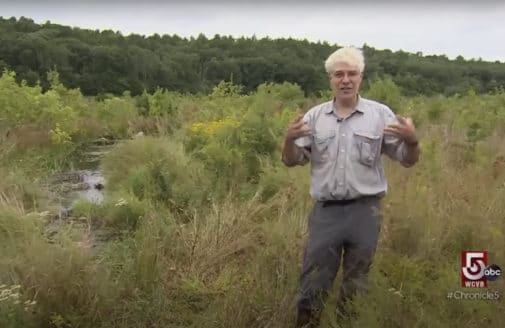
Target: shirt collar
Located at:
point(360, 106)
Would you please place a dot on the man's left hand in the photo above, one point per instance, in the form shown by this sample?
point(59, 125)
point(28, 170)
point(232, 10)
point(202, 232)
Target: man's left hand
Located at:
point(405, 130)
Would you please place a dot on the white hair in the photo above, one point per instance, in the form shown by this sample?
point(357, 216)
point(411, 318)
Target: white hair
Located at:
point(349, 55)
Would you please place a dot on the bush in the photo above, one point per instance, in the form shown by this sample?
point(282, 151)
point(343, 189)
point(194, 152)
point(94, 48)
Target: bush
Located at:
point(157, 170)
point(386, 92)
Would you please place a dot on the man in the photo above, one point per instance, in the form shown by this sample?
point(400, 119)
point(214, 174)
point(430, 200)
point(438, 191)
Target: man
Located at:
point(344, 139)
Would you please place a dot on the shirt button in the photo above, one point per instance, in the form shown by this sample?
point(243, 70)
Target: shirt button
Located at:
point(342, 150)
point(343, 134)
point(341, 167)
point(340, 184)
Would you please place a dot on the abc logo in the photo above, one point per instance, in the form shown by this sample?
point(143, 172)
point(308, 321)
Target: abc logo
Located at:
point(492, 272)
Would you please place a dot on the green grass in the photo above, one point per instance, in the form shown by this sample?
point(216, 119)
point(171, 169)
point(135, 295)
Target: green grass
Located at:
point(189, 245)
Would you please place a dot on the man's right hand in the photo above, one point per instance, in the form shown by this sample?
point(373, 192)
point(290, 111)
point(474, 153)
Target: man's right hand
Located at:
point(298, 129)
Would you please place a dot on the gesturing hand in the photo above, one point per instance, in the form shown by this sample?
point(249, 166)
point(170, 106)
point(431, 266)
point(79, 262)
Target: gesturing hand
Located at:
point(405, 130)
point(298, 129)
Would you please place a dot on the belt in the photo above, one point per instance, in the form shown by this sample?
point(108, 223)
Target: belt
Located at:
point(339, 202)
point(343, 202)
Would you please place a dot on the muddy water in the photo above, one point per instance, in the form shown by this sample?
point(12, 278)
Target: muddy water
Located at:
point(85, 183)
point(71, 187)
point(95, 183)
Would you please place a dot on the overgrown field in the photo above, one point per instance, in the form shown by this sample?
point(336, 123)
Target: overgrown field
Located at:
point(209, 226)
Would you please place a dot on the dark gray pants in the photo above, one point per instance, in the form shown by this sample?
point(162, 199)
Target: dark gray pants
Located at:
point(351, 229)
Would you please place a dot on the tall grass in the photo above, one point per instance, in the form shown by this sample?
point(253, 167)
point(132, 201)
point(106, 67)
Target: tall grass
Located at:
point(182, 250)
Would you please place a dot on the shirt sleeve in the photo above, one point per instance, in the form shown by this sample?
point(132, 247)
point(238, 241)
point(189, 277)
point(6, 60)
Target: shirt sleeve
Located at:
point(305, 143)
point(392, 145)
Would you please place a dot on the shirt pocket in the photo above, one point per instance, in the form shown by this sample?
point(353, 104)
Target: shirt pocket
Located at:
point(321, 146)
point(367, 146)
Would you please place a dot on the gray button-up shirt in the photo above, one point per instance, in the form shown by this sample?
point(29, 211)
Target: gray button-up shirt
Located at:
point(345, 154)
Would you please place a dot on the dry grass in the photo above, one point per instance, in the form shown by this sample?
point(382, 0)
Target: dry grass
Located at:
point(235, 262)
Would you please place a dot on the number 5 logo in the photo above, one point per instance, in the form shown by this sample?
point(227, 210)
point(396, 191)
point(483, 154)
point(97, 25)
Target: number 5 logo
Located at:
point(474, 265)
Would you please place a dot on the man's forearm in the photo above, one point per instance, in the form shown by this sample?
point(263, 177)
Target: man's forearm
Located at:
point(290, 152)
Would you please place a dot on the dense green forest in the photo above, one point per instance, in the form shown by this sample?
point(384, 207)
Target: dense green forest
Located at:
point(99, 62)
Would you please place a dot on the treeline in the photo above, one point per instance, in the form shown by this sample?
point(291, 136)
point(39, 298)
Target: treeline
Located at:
point(100, 62)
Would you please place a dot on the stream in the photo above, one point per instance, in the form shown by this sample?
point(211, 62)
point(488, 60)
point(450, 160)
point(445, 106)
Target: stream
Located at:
point(85, 183)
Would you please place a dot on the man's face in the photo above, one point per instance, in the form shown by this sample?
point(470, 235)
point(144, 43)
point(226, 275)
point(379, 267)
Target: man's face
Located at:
point(345, 81)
